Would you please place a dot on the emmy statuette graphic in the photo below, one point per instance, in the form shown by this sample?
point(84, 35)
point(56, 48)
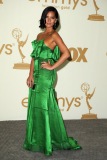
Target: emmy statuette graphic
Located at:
point(85, 87)
point(96, 17)
point(1, 2)
point(16, 33)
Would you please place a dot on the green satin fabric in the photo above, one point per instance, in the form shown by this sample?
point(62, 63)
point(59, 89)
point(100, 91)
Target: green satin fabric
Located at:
point(45, 129)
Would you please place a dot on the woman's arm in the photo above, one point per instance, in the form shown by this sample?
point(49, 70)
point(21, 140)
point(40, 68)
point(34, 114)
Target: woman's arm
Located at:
point(30, 79)
point(64, 50)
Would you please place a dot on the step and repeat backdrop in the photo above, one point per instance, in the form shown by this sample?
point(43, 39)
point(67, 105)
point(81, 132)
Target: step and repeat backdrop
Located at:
point(81, 83)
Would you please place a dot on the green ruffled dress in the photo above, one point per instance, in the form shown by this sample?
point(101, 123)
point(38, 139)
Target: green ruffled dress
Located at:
point(45, 129)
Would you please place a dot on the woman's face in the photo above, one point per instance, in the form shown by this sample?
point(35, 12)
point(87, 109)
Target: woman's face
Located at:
point(50, 19)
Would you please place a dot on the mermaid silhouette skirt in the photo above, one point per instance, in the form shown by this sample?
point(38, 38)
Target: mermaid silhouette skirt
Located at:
point(45, 129)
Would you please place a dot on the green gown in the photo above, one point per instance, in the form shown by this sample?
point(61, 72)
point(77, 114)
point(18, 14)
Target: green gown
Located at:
point(45, 128)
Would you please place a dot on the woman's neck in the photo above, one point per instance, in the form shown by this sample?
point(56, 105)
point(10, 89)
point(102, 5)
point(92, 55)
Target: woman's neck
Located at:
point(49, 30)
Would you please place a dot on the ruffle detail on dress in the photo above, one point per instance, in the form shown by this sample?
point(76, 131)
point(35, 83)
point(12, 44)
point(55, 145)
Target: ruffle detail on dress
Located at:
point(74, 144)
point(37, 46)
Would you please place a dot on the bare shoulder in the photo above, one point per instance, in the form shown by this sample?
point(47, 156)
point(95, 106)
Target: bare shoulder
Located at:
point(58, 41)
point(39, 35)
point(55, 35)
point(57, 38)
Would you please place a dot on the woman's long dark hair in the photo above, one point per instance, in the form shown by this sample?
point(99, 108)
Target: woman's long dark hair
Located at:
point(44, 14)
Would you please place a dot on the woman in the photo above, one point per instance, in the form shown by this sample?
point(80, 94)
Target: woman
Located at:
point(45, 129)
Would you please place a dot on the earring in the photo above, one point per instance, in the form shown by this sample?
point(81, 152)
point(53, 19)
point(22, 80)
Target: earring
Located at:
point(55, 25)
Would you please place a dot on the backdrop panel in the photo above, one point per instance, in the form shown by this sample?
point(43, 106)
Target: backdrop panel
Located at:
point(81, 83)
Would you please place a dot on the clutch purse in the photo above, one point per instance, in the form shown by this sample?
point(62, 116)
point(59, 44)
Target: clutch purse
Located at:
point(33, 86)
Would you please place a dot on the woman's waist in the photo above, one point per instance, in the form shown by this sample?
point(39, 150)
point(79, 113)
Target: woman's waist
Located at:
point(38, 62)
point(44, 59)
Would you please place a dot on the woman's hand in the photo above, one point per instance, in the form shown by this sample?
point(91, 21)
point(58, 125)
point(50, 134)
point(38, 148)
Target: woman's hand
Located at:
point(30, 81)
point(46, 65)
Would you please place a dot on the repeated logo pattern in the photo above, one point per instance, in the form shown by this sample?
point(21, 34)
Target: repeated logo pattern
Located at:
point(17, 34)
point(96, 16)
point(92, 17)
point(85, 88)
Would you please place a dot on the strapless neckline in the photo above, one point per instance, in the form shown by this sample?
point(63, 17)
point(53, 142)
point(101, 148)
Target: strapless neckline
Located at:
point(42, 40)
